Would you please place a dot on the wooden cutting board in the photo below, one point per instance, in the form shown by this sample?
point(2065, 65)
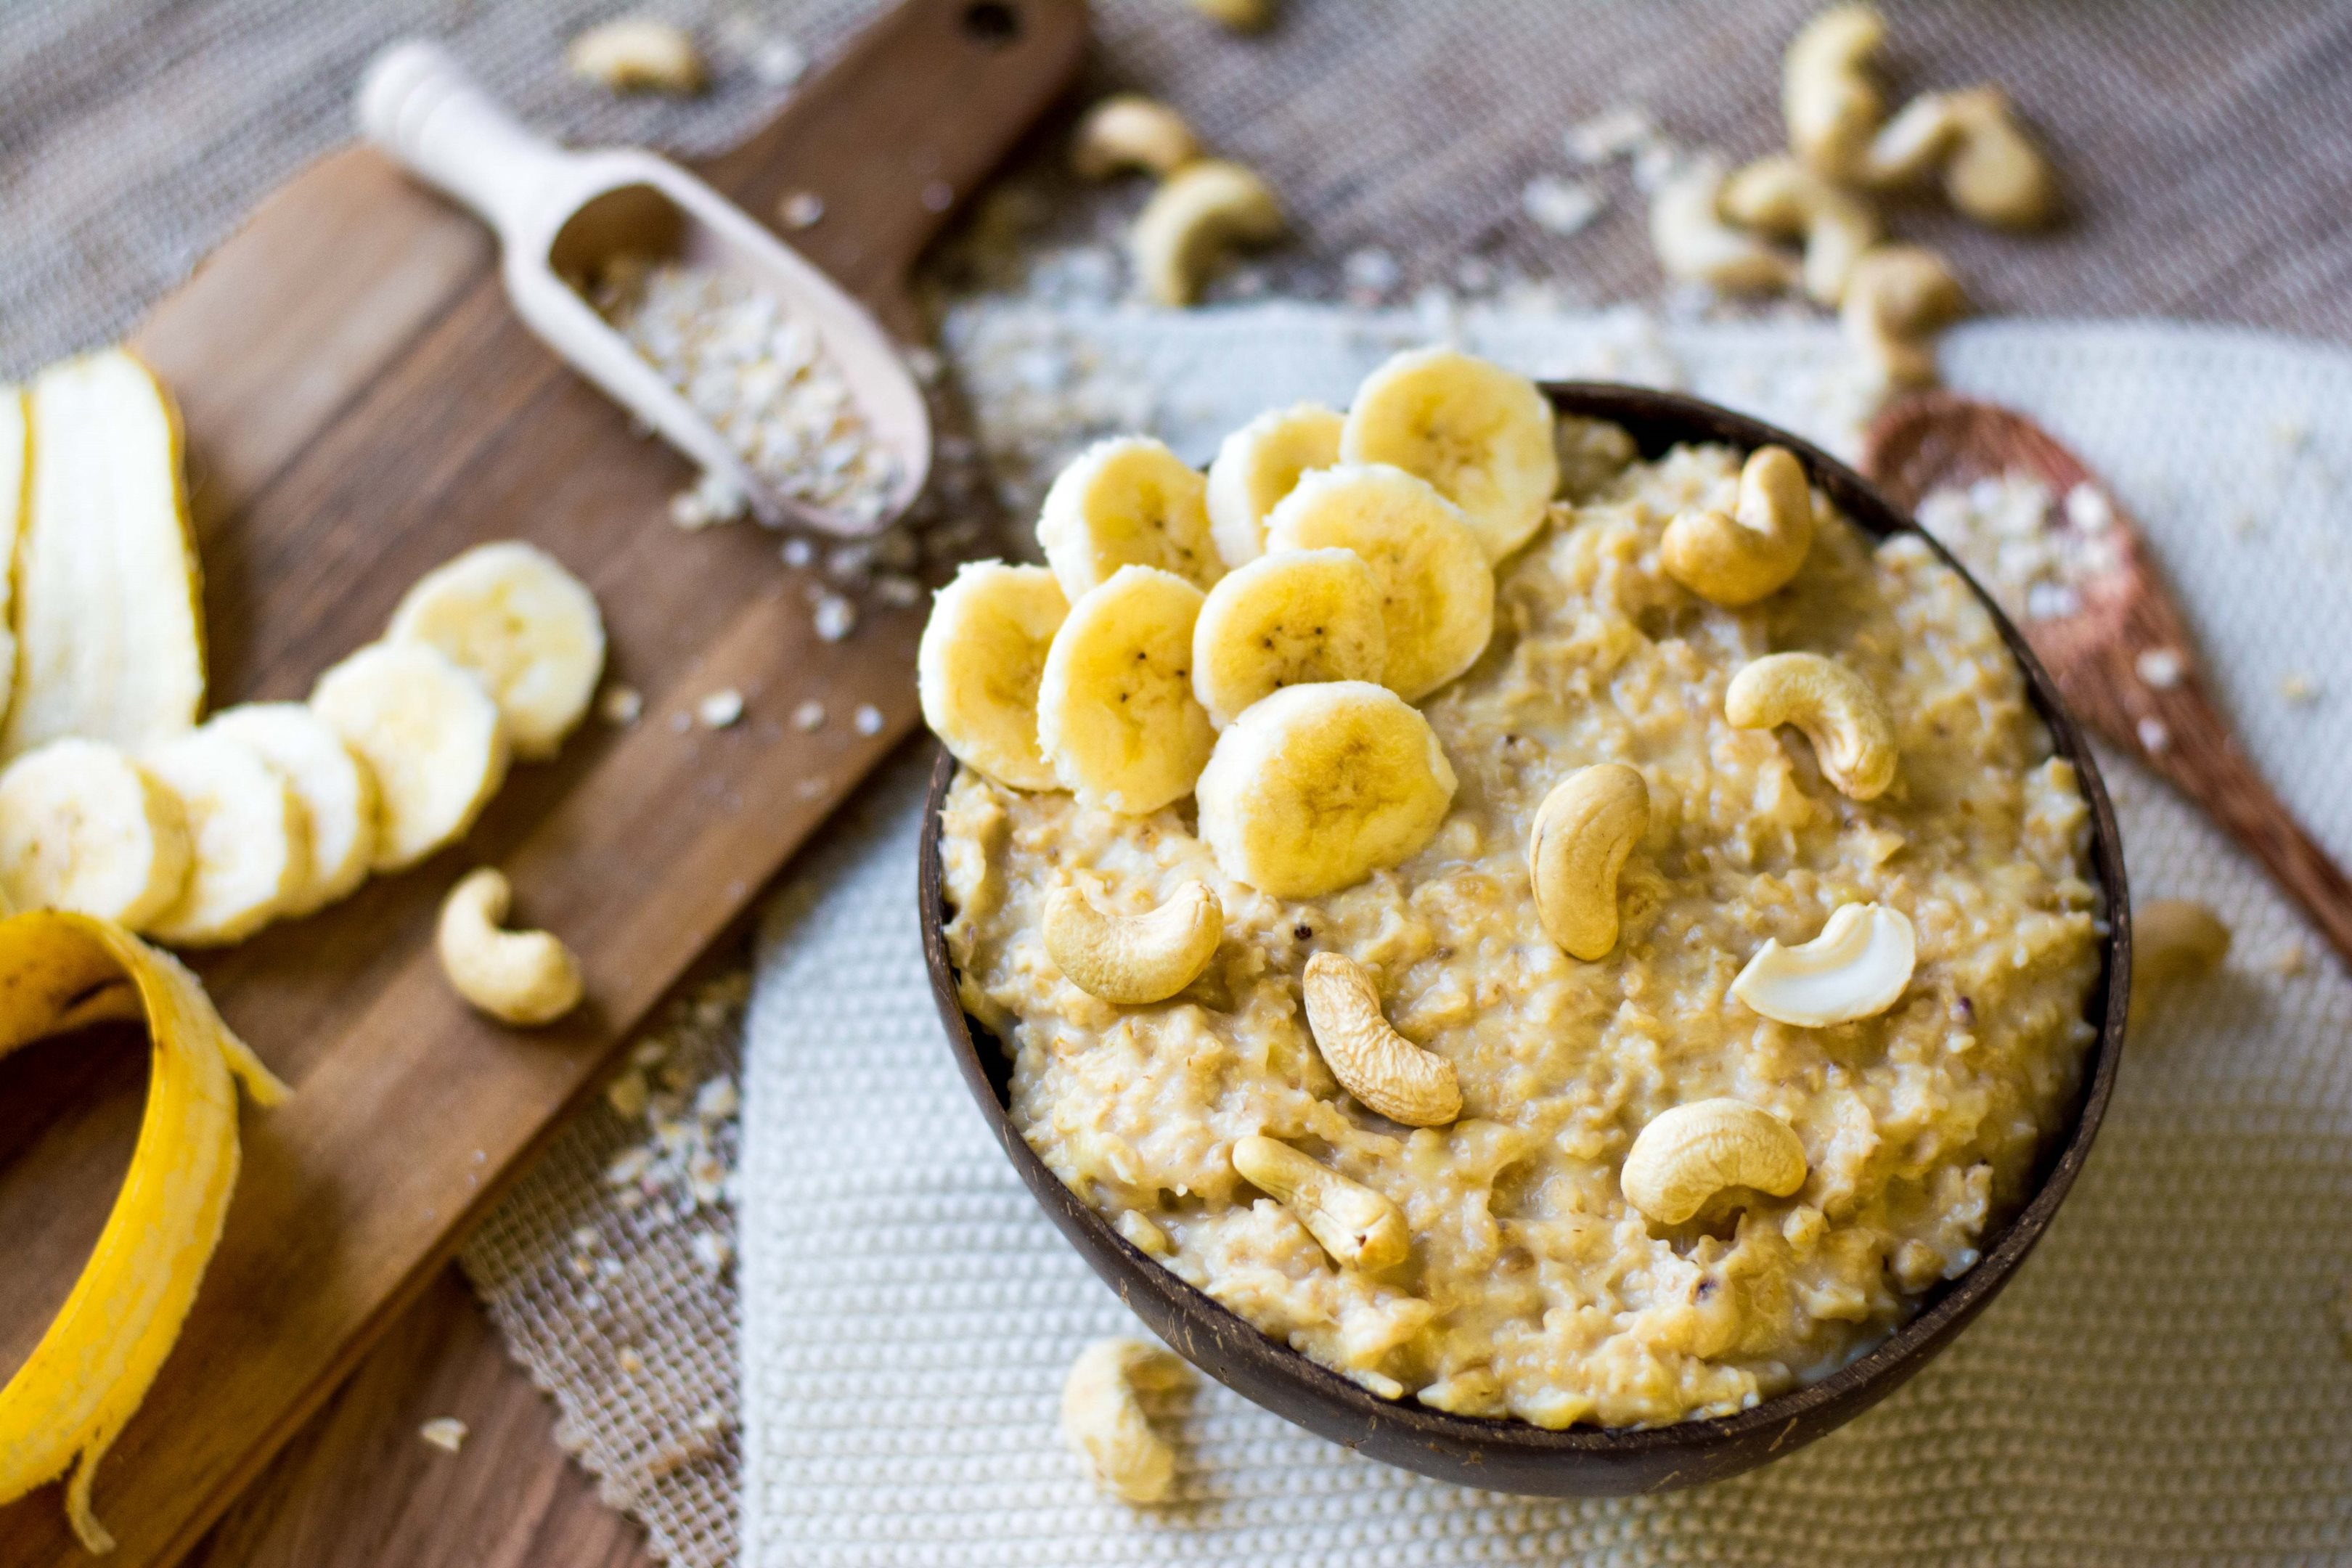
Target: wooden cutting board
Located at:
point(362, 405)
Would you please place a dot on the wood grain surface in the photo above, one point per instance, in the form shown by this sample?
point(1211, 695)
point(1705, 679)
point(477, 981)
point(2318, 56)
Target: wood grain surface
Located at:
point(361, 405)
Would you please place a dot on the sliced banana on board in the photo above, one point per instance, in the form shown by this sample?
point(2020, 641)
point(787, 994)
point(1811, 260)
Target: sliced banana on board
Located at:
point(1258, 465)
point(1437, 591)
point(1129, 502)
point(250, 845)
point(523, 626)
point(977, 669)
point(429, 733)
point(1481, 434)
point(1115, 707)
point(1318, 787)
point(109, 619)
point(1289, 619)
point(336, 789)
point(86, 829)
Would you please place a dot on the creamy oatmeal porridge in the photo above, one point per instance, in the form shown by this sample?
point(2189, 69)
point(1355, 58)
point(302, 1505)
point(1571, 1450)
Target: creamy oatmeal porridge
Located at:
point(1531, 1288)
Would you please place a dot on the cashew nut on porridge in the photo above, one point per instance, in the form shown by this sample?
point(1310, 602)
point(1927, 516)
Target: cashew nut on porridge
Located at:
point(1598, 960)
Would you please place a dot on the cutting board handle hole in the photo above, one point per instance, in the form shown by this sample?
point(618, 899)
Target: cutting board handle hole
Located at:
point(993, 23)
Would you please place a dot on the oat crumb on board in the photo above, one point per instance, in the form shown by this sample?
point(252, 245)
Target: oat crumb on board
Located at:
point(720, 709)
point(445, 1433)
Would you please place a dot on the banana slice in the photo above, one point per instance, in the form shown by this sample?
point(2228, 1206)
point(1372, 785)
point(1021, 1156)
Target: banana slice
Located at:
point(252, 848)
point(429, 733)
point(1258, 465)
point(1318, 786)
point(84, 829)
point(1479, 433)
point(1437, 593)
point(109, 619)
point(529, 630)
point(1127, 502)
point(337, 792)
point(982, 652)
point(1287, 620)
point(1115, 707)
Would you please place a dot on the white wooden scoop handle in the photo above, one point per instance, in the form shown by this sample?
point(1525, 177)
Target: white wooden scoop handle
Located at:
point(418, 104)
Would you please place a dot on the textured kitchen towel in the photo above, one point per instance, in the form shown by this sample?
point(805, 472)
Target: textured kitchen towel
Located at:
point(2164, 1382)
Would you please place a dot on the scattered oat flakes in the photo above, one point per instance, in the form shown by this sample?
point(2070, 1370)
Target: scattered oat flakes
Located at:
point(720, 709)
point(2160, 668)
point(898, 590)
point(798, 553)
point(631, 1166)
point(2298, 688)
point(801, 209)
point(712, 1250)
point(778, 62)
point(1613, 133)
point(445, 1433)
point(710, 1419)
point(868, 720)
point(626, 1093)
point(2292, 958)
point(1560, 206)
point(622, 706)
point(2153, 736)
point(631, 1360)
point(716, 1100)
point(714, 497)
point(809, 716)
point(834, 617)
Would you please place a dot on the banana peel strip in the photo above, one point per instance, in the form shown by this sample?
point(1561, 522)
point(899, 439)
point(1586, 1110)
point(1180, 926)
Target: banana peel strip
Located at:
point(88, 1375)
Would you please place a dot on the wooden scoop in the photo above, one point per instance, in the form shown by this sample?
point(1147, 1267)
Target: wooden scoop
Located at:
point(561, 216)
point(2119, 648)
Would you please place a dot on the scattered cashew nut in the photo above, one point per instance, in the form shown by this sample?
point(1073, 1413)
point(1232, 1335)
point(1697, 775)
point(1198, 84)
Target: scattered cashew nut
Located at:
point(1856, 968)
point(1782, 196)
point(1992, 170)
point(1134, 959)
point(1695, 245)
point(516, 976)
point(1686, 1155)
point(1827, 97)
point(1128, 131)
point(1372, 1061)
point(1847, 721)
point(1898, 299)
point(1104, 1421)
point(1584, 831)
point(1737, 558)
point(1359, 1227)
point(1192, 218)
point(638, 53)
point(2174, 940)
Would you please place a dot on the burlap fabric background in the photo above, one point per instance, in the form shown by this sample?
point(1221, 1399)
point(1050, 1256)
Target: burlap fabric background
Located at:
point(2208, 152)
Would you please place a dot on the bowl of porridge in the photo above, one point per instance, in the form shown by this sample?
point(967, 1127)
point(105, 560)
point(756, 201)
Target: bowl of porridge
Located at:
point(1572, 971)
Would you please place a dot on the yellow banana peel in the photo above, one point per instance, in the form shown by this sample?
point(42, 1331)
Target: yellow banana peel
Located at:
point(80, 1385)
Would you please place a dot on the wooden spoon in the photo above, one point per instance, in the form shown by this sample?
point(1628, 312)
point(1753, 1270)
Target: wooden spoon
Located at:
point(2118, 646)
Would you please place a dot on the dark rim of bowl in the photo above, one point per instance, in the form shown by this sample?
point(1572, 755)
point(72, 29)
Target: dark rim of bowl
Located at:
point(1657, 420)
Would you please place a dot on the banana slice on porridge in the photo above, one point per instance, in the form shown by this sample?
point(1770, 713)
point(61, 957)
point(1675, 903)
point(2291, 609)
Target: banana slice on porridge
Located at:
point(1116, 714)
point(1289, 619)
point(979, 664)
point(1480, 434)
point(1318, 786)
point(1258, 465)
point(1437, 592)
point(1129, 502)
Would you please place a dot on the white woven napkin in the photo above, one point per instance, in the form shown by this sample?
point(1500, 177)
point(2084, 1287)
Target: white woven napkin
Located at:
point(2164, 1380)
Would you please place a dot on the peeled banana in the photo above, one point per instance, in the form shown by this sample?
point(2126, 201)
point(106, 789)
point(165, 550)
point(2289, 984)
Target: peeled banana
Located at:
point(84, 828)
point(513, 617)
point(1437, 592)
point(1284, 620)
point(1480, 434)
point(1258, 465)
point(977, 669)
point(83, 1380)
point(1115, 712)
point(1317, 787)
point(1127, 502)
point(428, 732)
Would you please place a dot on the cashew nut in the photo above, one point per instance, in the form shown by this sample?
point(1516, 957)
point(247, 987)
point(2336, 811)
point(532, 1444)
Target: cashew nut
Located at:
point(1104, 1421)
point(1695, 245)
point(1856, 968)
point(1826, 94)
point(1128, 131)
point(1371, 1060)
point(1196, 214)
point(1992, 169)
point(2174, 940)
point(1782, 196)
point(1584, 831)
point(1359, 1227)
point(1737, 559)
point(637, 54)
point(1898, 299)
point(516, 976)
point(1851, 732)
point(1686, 1155)
point(1134, 959)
